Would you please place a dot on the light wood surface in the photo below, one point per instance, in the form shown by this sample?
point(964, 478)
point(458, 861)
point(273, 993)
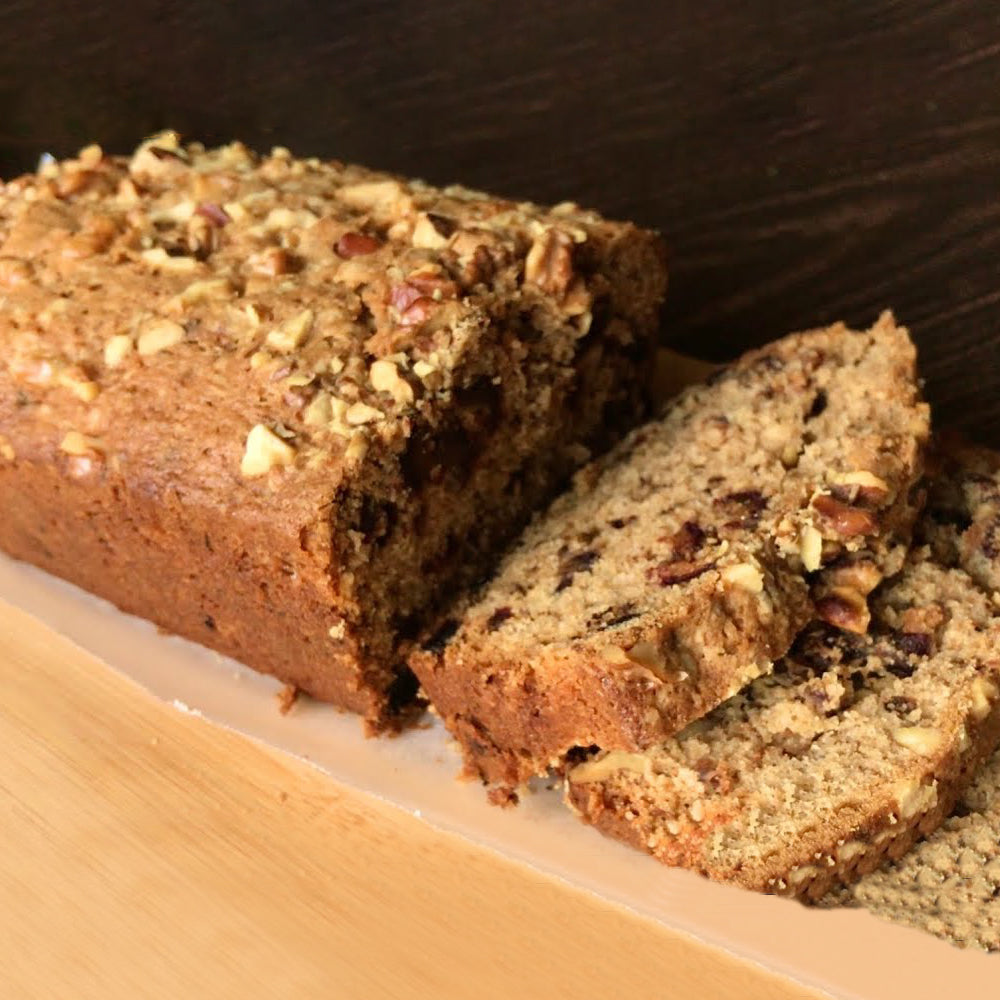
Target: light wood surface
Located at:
point(151, 854)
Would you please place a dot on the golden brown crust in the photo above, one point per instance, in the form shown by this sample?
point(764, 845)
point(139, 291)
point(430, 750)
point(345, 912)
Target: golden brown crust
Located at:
point(335, 391)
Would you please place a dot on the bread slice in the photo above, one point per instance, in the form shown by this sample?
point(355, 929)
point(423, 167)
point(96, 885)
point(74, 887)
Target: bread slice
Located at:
point(678, 568)
point(949, 885)
point(852, 749)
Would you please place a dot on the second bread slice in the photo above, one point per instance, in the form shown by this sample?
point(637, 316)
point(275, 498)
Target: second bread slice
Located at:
point(679, 568)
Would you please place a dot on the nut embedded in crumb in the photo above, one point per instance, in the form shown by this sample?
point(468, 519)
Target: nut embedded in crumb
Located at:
point(846, 521)
point(117, 349)
point(159, 335)
point(919, 739)
point(77, 444)
point(745, 576)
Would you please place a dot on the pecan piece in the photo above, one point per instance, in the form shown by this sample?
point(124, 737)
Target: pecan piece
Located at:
point(421, 311)
point(549, 263)
point(433, 285)
point(845, 608)
point(862, 575)
point(847, 521)
point(356, 245)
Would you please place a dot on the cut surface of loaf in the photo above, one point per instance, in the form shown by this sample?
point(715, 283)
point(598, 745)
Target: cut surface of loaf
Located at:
point(848, 752)
point(679, 567)
point(949, 885)
point(286, 407)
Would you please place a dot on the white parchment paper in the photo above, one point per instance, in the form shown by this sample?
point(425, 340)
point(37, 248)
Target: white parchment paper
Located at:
point(845, 953)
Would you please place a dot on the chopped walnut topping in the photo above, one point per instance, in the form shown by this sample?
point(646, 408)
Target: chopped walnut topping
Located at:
point(384, 377)
point(273, 262)
point(863, 485)
point(861, 575)
point(549, 263)
point(264, 451)
point(362, 413)
point(292, 332)
point(431, 231)
point(319, 411)
point(386, 197)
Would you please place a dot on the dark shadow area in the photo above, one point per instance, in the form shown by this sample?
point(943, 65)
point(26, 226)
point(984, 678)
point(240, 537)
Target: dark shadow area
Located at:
point(806, 162)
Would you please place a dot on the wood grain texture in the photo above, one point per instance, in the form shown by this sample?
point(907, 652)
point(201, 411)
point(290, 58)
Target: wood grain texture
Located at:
point(151, 854)
point(807, 162)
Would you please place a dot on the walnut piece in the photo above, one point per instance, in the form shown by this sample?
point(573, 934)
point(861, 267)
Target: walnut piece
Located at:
point(292, 332)
point(264, 451)
point(384, 377)
point(159, 335)
point(77, 444)
point(919, 739)
point(745, 576)
point(811, 548)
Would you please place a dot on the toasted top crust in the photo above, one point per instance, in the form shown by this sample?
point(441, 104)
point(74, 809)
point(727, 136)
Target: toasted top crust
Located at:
point(317, 307)
point(813, 774)
point(683, 556)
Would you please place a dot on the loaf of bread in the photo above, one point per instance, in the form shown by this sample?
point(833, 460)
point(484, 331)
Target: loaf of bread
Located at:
point(680, 566)
point(849, 751)
point(287, 407)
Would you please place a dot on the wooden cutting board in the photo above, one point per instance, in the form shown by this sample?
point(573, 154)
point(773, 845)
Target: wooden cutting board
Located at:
point(149, 853)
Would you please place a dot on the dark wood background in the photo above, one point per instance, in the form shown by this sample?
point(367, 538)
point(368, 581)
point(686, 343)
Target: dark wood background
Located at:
point(806, 161)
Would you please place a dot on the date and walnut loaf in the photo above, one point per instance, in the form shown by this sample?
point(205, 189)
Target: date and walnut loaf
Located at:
point(286, 407)
point(855, 746)
point(679, 567)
